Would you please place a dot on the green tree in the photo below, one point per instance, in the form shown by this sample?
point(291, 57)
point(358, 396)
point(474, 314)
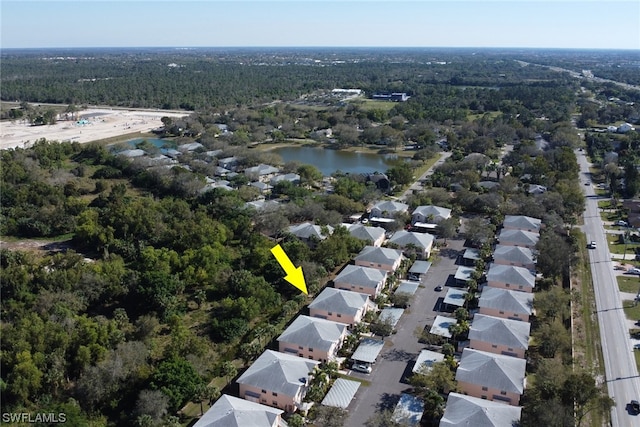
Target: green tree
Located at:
point(438, 377)
point(177, 379)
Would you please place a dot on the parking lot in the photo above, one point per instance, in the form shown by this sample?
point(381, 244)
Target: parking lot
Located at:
point(401, 349)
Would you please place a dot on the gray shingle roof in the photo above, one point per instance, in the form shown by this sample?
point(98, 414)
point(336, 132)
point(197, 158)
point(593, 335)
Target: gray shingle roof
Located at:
point(313, 332)
point(469, 411)
point(390, 206)
point(360, 276)
point(438, 213)
point(492, 370)
point(518, 237)
point(230, 411)
point(307, 230)
point(262, 169)
point(503, 299)
point(515, 254)
point(496, 330)
point(510, 274)
point(377, 255)
point(522, 222)
point(403, 238)
point(278, 372)
point(339, 301)
point(362, 232)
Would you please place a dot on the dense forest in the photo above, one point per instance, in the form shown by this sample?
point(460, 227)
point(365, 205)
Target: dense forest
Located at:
point(150, 286)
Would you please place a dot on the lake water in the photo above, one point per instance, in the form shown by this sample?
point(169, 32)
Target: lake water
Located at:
point(329, 161)
point(160, 143)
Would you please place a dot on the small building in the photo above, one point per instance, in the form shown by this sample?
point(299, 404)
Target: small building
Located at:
point(455, 298)
point(408, 288)
point(293, 178)
point(277, 379)
point(230, 411)
point(193, 146)
point(380, 180)
point(422, 243)
point(374, 236)
point(368, 351)
point(463, 275)
point(491, 376)
point(262, 172)
point(510, 278)
point(500, 336)
point(340, 306)
point(230, 163)
point(391, 315)
point(470, 257)
point(388, 209)
point(418, 270)
point(262, 204)
point(391, 96)
point(430, 214)
point(341, 394)
point(425, 361)
point(381, 258)
point(262, 187)
point(469, 411)
point(408, 411)
point(360, 279)
point(441, 326)
point(506, 304)
point(313, 338)
point(537, 189)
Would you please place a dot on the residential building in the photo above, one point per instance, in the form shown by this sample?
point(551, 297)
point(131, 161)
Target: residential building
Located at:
point(311, 232)
point(511, 278)
point(263, 187)
point(506, 304)
point(360, 279)
point(388, 209)
point(277, 379)
point(469, 411)
point(522, 222)
point(514, 255)
point(262, 172)
point(230, 411)
point(491, 376)
point(313, 338)
point(293, 178)
point(382, 258)
point(339, 305)
point(372, 235)
point(422, 243)
point(430, 214)
point(498, 335)
point(230, 163)
point(525, 239)
point(380, 180)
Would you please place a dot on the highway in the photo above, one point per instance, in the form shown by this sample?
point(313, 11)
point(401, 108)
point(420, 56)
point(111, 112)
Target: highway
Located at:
point(621, 374)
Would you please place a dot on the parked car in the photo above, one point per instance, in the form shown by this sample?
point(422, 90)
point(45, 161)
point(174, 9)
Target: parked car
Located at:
point(634, 407)
point(591, 245)
point(634, 270)
point(362, 367)
point(621, 223)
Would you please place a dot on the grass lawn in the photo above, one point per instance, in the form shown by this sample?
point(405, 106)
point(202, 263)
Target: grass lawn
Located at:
point(619, 248)
point(373, 104)
point(631, 309)
point(636, 353)
point(629, 284)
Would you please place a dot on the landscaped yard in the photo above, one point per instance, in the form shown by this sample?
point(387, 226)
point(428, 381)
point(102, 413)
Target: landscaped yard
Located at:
point(630, 284)
point(631, 309)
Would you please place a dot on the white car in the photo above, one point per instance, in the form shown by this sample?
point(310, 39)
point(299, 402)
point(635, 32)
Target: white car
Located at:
point(591, 245)
point(361, 367)
point(634, 271)
point(621, 223)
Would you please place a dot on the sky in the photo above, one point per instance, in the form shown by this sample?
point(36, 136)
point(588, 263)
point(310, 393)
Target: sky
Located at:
point(582, 24)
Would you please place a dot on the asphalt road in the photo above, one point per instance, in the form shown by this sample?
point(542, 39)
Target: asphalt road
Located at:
point(622, 379)
point(401, 349)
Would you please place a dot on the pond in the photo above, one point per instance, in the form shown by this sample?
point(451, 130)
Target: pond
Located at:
point(329, 161)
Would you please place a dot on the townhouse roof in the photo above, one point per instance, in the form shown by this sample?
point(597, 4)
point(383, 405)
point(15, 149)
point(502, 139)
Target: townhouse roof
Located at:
point(506, 300)
point(519, 237)
point(468, 411)
point(339, 301)
point(522, 222)
point(497, 371)
point(313, 332)
point(230, 411)
point(437, 212)
point(390, 206)
point(363, 232)
point(278, 372)
point(404, 238)
point(496, 330)
point(262, 169)
point(511, 275)
point(515, 254)
point(377, 255)
point(306, 230)
point(360, 276)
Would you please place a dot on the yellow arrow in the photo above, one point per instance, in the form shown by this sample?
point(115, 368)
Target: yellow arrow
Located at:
point(294, 275)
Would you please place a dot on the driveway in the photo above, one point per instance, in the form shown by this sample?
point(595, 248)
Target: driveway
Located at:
point(401, 349)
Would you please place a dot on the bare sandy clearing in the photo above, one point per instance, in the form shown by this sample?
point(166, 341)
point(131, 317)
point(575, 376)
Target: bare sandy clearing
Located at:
point(93, 124)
